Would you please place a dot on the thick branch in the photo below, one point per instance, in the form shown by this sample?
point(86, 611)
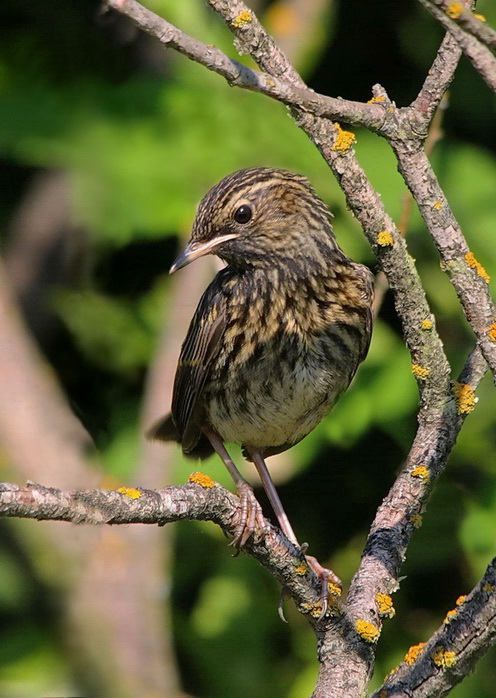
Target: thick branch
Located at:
point(176, 503)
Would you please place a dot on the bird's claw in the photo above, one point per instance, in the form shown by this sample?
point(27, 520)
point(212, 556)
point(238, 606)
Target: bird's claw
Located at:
point(325, 577)
point(251, 521)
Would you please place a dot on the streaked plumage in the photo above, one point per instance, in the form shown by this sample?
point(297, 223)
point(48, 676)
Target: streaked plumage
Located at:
point(280, 331)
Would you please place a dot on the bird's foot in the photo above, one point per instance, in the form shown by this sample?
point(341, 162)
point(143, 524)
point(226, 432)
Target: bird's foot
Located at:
point(251, 521)
point(329, 582)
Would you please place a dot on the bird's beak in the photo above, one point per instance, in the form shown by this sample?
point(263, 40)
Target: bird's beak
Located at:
point(194, 250)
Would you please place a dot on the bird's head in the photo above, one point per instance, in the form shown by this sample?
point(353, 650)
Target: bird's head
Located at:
point(259, 217)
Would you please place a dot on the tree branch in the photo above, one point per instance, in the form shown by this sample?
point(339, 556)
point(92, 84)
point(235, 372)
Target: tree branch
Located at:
point(470, 34)
point(346, 655)
point(239, 75)
point(451, 653)
point(207, 501)
point(464, 17)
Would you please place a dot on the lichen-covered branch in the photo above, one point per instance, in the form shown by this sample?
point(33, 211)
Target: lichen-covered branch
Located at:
point(239, 75)
point(466, 273)
point(201, 499)
point(346, 645)
point(468, 631)
point(470, 35)
point(472, 22)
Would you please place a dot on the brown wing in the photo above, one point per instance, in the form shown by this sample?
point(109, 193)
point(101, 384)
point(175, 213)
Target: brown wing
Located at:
point(200, 347)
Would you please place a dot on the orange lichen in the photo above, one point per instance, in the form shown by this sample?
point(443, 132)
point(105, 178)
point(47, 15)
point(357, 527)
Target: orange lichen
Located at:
point(450, 615)
point(454, 10)
point(465, 398)
point(416, 520)
point(420, 472)
point(344, 139)
point(443, 658)
point(384, 238)
point(437, 205)
point(202, 480)
point(492, 332)
point(413, 653)
point(130, 492)
point(367, 631)
point(391, 673)
point(419, 372)
point(385, 605)
point(242, 19)
point(377, 99)
point(461, 599)
point(427, 324)
point(301, 568)
point(334, 589)
point(472, 262)
point(480, 17)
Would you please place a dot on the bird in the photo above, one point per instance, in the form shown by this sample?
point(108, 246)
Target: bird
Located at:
point(277, 336)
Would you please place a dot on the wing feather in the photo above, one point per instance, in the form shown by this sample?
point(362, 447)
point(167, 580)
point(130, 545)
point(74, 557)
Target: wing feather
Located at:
point(200, 347)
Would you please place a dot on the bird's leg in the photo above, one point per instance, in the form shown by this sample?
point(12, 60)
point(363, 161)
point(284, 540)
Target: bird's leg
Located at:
point(251, 521)
point(323, 574)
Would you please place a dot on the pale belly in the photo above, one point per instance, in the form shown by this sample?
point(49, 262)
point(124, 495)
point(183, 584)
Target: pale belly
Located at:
point(272, 402)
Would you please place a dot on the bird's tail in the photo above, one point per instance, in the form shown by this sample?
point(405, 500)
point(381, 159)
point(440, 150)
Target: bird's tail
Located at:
point(164, 430)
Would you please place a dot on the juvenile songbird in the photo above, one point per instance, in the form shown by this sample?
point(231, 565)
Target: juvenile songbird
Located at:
point(277, 336)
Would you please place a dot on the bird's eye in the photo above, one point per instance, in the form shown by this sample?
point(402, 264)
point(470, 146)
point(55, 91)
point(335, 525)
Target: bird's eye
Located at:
point(243, 214)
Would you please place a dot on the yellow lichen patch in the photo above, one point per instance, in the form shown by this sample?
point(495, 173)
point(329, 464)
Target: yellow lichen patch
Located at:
point(201, 479)
point(315, 610)
point(454, 10)
point(334, 589)
point(416, 520)
point(461, 599)
point(301, 568)
point(413, 653)
point(384, 238)
point(472, 262)
point(391, 673)
point(419, 372)
point(465, 398)
point(130, 492)
point(242, 19)
point(437, 205)
point(344, 139)
point(450, 615)
point(488, 588)
point(385, 605)
point(420, 472)
point(377, 99)
point(391, 110)
point(443, 658)
point(427, 324)
point(367, 631)
point(480, 17)
point(492, 332)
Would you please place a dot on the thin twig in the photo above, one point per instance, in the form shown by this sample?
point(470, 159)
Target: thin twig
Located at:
point(482, 58)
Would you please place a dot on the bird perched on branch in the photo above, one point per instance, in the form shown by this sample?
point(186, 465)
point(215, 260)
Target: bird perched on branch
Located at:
point(277, 336)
